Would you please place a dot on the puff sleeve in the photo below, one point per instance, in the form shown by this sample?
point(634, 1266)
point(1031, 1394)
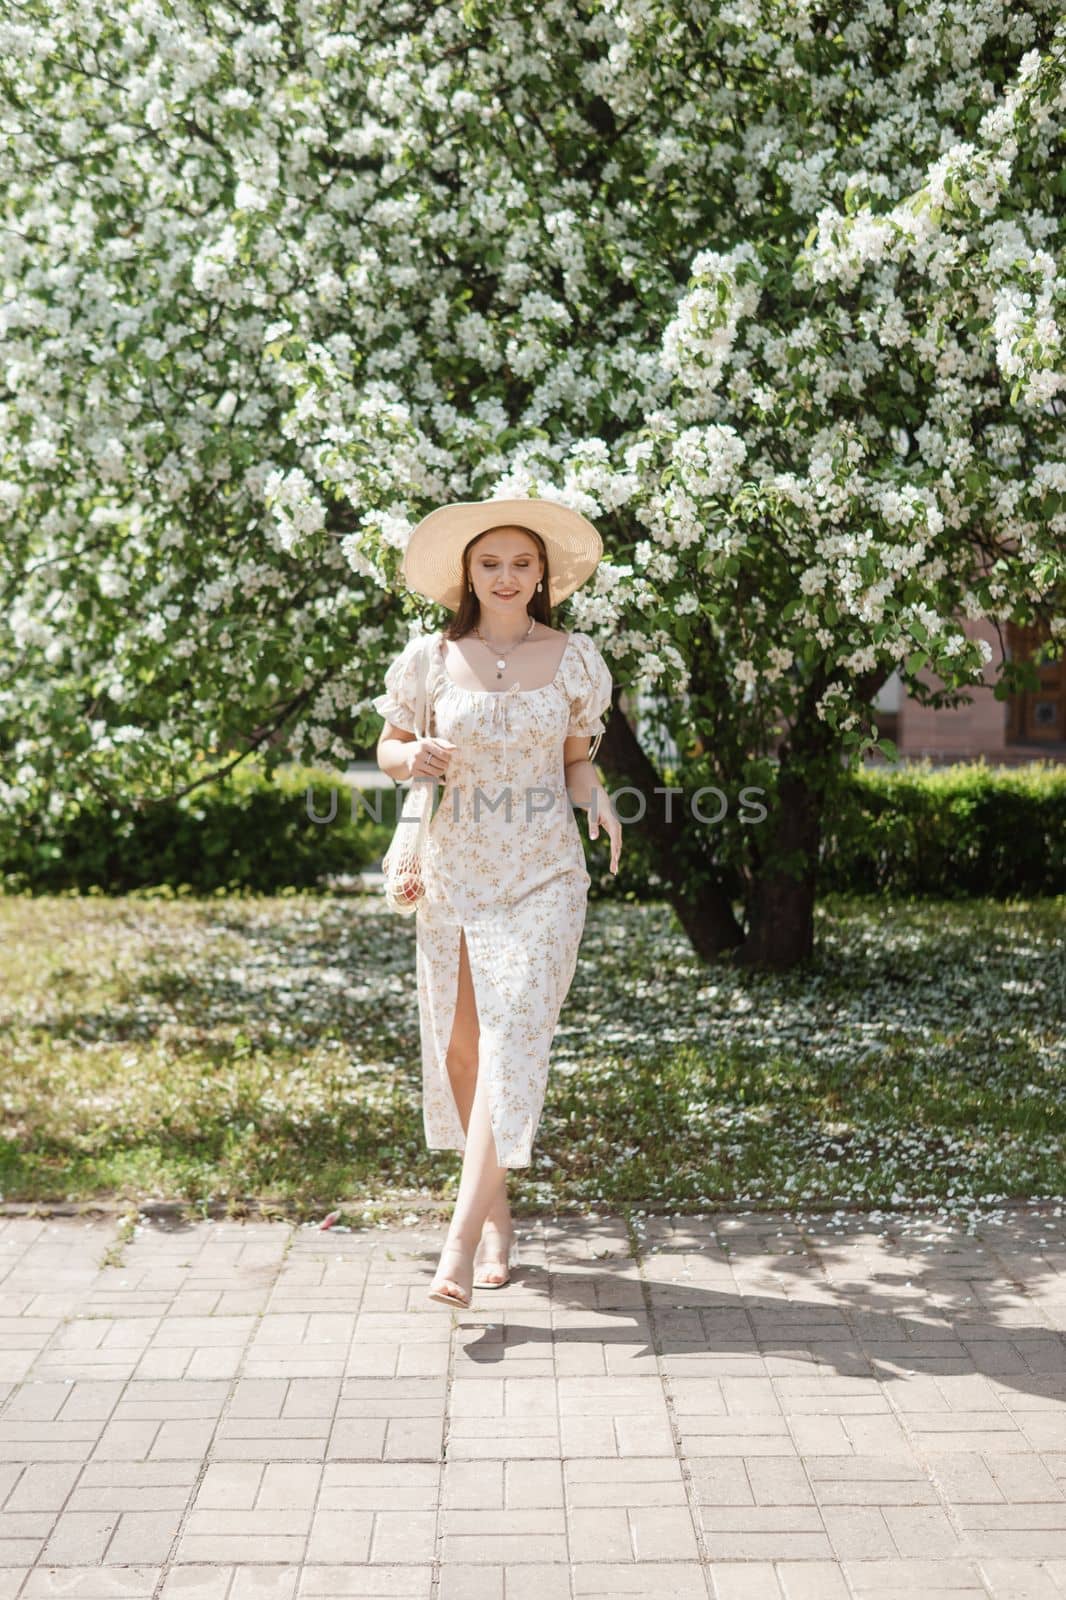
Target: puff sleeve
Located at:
point(590, 694)
point(397, 704)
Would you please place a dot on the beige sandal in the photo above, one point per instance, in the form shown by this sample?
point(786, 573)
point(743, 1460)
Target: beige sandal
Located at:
point(441, 1295)
point(512, 1261)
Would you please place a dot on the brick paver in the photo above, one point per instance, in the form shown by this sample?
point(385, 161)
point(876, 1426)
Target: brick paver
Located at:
point(735, 1407)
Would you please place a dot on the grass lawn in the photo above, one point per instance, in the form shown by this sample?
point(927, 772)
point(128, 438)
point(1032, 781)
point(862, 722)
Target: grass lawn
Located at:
point(267, 1048)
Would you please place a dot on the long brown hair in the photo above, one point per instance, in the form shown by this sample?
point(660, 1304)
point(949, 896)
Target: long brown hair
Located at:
point(468, 614)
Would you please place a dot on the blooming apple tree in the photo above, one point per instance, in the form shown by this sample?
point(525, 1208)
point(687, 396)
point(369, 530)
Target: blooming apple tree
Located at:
point(775, 299)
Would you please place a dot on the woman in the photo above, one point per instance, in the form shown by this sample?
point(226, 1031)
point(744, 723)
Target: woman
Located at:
point(513, 705)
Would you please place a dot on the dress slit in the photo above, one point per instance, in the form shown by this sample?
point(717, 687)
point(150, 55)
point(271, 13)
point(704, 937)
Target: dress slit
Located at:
point(443, 1037)
point(484, 1032)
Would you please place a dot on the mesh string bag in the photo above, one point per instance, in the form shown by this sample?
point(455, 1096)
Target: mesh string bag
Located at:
point(402, 862)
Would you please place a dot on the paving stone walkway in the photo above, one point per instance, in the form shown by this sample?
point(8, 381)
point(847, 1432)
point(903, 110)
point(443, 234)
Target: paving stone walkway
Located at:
point(738, 1407)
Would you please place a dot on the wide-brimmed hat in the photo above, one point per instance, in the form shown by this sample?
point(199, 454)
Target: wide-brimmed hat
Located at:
point(433, 560)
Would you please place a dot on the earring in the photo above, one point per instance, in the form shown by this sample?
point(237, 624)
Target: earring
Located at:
point(539, 586)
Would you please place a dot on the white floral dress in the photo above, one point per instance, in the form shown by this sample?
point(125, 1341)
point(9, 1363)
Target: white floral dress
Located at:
point(503, 863)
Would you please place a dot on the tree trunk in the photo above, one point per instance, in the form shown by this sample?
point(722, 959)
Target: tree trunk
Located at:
point(706, 913)
point(780, 907)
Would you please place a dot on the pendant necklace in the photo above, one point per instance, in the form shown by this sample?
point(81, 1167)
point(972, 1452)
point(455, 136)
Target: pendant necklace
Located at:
point(501, 655)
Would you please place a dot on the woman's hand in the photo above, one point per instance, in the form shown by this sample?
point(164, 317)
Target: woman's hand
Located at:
point(602, 811)
point(429, 758)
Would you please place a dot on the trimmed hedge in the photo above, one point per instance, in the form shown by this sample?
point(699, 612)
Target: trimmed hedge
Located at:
point(954, 831)
point(248, 831)
point(945, 832)
point(950, 832)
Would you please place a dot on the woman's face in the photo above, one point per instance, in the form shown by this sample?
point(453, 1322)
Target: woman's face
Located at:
point(505, 566)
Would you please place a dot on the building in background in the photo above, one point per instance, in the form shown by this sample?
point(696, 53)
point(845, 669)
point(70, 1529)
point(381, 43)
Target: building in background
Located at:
point(1028, 726)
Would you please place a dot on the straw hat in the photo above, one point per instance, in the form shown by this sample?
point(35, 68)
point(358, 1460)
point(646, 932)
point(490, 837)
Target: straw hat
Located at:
point(433, 560)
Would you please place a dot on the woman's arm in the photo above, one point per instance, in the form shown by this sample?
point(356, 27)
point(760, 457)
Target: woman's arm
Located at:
point(393, 756)
point(585, 789)
point(582, 781)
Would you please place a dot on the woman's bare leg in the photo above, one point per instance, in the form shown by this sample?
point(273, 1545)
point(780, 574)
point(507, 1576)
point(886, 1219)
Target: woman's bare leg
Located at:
point(483, 1181)
point(462, 1071)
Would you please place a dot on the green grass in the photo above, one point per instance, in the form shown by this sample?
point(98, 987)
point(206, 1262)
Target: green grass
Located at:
point(267, 1049)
